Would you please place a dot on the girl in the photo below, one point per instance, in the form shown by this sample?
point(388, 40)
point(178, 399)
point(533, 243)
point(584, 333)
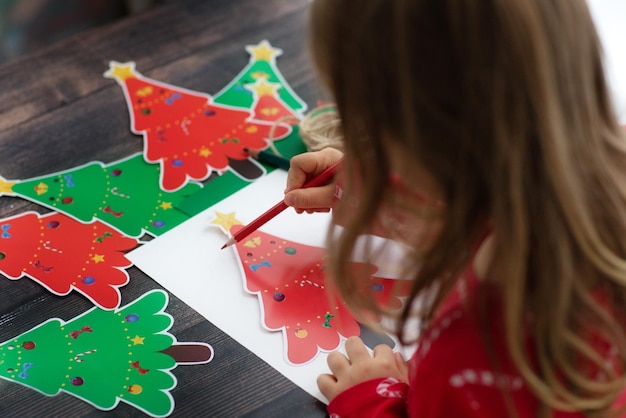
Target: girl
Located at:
point(486, 128)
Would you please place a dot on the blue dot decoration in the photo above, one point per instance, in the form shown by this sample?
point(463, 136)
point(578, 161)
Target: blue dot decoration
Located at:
point(209, 112)
point(158, 224)
point(88, 280)
point(377, 287)
point(53, 224)
point(177, 163)
point(132, 318)
point(290, 251)
point(279, 296)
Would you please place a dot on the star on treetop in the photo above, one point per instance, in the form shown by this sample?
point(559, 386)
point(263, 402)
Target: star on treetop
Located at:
point(6, 186)
point(225, 220)
point(120, 72)
point(263, 51)
point(262, 88)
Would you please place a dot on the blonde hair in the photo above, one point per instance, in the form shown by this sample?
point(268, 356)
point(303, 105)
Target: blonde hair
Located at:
point(505, 103)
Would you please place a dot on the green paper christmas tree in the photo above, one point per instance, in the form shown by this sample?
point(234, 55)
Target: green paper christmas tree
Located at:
point(104, 357)
point(262, 65)
point(124, 194)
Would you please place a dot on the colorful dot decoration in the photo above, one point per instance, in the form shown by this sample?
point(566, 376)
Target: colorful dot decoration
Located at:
point(301, 333)
point(135, 389)
point(88, 280)
point(2, 256)
point(53, 224)
point(77, 381)
point(132, 318)
point(28, 345)
point(290, 251)
point(279, 296)
point(158, 224)
point(116, 172)
point(177, 162)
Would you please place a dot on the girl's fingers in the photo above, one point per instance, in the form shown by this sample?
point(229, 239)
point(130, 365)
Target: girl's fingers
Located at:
point(311, 198)
point(383, 350)
point(403, 367)
point(356, 350)
point(306, 165)
point(326, 384)
point(337, 362)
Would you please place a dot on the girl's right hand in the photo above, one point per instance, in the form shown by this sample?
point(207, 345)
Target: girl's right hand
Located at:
point(304, 167)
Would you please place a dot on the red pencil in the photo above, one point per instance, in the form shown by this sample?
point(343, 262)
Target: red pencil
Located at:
point(318, 180)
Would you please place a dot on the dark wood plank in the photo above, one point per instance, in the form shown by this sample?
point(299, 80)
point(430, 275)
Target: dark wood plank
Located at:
point(57, 111)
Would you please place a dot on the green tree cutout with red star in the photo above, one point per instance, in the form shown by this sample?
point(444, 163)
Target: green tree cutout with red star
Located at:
point(288, 279)
point(104, 357)
point(63, 254)
point(188, 134)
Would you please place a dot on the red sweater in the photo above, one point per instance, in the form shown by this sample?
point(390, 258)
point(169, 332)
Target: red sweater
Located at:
point(452, 374)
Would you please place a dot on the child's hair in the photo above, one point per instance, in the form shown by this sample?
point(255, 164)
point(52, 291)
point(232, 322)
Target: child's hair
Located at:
point(505, 104)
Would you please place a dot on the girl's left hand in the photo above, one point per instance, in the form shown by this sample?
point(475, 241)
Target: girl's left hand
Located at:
point(359, 366)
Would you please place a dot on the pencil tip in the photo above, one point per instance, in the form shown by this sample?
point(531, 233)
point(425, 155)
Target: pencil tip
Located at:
point(228, 243)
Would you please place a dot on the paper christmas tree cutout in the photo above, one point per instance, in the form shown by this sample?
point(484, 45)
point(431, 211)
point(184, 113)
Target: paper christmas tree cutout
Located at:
point(64, 255)
point(189, 135)
point(262, 66)
point(268, 105)
point(104, 357)
point(288, 278)
point(124, 194)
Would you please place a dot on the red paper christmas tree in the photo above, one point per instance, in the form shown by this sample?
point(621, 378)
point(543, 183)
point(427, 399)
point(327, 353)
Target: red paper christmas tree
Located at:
point(64, 255)
point(268, 105)
point(288, 278)
point(188, 134)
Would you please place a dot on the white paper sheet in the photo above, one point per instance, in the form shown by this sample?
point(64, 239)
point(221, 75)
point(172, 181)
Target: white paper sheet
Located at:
point(189, 263)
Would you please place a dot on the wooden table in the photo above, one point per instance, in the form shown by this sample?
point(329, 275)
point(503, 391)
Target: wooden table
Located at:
point(58, 112)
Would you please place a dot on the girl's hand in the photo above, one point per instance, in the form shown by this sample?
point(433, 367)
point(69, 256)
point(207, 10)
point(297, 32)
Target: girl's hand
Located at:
point(359, 366)
point(303, 167)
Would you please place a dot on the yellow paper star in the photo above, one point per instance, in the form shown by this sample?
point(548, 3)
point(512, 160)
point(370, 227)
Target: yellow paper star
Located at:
point(205, 152)
point(6, 186)
point(98, 258)
point(41, 188)
point(166, 205)
point(253, 242)
point(225, 220)
point(138, 340)
point(262, 88)
point(121, 72)
point(263, 52)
